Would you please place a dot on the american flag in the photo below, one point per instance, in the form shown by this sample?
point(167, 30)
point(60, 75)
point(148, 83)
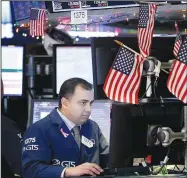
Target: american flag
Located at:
point(37, 20)
point(177, 80)
point(178, 41)
point(123, 80)
point(146, 27)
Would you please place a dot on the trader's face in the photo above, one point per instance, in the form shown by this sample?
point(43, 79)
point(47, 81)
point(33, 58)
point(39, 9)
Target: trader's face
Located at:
point(78, 107)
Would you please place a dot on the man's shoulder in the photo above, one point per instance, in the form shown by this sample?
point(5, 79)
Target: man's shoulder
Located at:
point(42, 124)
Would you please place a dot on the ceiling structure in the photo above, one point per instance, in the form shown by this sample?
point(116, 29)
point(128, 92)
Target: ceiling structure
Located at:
point(123, 21)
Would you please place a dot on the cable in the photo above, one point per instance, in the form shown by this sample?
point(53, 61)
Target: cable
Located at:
point(164, 163)
point(154, 91)
point(176, 166)
point(184, 169)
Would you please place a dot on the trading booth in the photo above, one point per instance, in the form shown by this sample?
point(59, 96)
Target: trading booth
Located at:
point(138, 73)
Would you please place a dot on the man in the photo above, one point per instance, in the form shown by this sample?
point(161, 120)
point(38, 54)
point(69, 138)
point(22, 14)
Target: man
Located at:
point(10, 146)
point(65, 143)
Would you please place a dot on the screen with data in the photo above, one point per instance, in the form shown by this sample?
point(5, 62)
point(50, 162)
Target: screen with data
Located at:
point(12, 70)
point(73, 61)
point(100, 113)
point(41, 108)
point(6, 21)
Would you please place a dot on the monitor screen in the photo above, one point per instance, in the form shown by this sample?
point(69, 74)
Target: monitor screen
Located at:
point(41, 108)
point(73, 61)
point(12, 70)
point(100, 113)
point(7, 27)
point(129, 129)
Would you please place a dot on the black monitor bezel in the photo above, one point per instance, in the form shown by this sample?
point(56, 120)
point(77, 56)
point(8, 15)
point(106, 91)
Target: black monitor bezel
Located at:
point(55, 95)
point(23, 67)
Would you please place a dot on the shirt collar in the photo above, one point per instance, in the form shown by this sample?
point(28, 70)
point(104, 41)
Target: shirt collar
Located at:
point(68, 123)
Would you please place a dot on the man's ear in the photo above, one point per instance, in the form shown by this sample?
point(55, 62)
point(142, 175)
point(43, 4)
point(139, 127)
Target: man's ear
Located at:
point(64, 102)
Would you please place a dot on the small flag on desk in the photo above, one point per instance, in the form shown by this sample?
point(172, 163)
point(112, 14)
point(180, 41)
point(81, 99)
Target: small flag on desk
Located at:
point(37, 20)
point(178, 41)
point(177, 80)
point(123, 80)
point(145, 27)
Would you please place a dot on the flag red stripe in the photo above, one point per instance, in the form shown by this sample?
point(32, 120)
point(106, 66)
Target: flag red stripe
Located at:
point(121, 87)
point(106, 80)
point(127, 83)
point(176, 77)
point(176, 48)
point(116, 85)
point(177, 80)
point(129, 88)
point(37, 25)
point(145, 34)
point(113, 83)
point(183, 86)
point(184, 97)
point(179, 75)
point(171, 75)
point(139, 78)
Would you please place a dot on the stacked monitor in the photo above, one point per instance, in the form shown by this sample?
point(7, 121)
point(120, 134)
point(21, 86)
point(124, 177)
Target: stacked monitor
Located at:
point(72, 61)
point(100, 112)
point(12, 70)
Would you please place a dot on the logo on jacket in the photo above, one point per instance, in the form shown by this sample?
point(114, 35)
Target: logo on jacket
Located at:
point(57, 162)
point(63, 133)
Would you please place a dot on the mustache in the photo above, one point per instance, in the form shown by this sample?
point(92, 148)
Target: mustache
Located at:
point(86, 114)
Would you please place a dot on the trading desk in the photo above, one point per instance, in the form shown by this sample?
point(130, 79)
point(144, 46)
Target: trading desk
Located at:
point(136, 176)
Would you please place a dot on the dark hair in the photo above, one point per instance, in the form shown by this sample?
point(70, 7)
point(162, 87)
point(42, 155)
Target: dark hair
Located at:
point(67, 89)
point(59, 35)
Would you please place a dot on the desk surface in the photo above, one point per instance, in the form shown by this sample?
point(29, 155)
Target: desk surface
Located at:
point(136, 176)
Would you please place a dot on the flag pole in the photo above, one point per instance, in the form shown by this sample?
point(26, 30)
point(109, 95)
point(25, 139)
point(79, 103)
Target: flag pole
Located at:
point(121, 44)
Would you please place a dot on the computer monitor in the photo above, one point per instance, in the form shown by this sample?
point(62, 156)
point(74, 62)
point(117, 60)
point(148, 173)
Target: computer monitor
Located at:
point(12, 70)
point(41, 108)
point(72, 61)
point(129, 125)
point(6, 21)
point(100, 112)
